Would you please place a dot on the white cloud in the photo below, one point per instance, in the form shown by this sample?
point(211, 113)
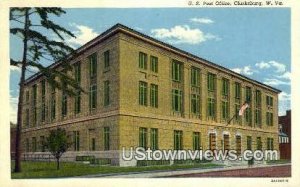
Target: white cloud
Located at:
point(182, 34)
point(275, 82)
point(286, 75)
point(284, 102)
point(245, 70)
point(279, 67)
point(202, 20)
point(138, 28)
point(15, 69)
point(13, 102)
point(83, 35)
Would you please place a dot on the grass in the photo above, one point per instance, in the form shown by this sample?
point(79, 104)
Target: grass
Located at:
point(69, 169)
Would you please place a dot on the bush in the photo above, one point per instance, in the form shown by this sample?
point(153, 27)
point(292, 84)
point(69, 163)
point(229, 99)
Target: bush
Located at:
point(152, 162)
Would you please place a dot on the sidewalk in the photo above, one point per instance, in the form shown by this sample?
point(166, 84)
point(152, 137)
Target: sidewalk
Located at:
point(158, 174)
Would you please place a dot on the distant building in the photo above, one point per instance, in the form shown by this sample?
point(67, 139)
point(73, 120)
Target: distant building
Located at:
point(144, 93)
point(285, 135)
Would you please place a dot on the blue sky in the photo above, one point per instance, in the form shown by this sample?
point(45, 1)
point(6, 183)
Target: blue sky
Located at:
point(252, 41)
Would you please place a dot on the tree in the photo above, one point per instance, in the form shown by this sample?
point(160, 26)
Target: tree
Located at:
point(57, 143)
point(30, 25)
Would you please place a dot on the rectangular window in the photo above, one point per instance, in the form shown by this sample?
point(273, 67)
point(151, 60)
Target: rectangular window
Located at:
point(53, 103)
point(27, 118)
point(211, 107)
point(178, 140)
point(43, 103)
point(195, 104)
point(269, 101)
point(154, 139)
point(34, 102)
point(225, 110)
point(154, 95)
point(226, 143)
point(238, 143)
point(237, 90)
point(106, 93)
point(42, 143)
point(258, 117)
point(27, 145)
point(212, 141)
point(269, 118)
point(195, 77)
point(211, 81)
point(176, 71)
point(93, 144)
point(143, 93)
point(64, 103)
point(27, 96)
point(77, 102)
point(270, 145)
point(237, 109)
point(106, 138)
point(196, 141)
point(248, 94)
point(106, 59)
point(154, 64)
point(76, 140)
point(258, 98)
point(248, 116)
point(33, 148)
point(249, 143)
point(93, 96)
point(143, 60)
point(77, 72)
point(225, 87)
point(258, 143)
point(93, 66)
point(176, 100)
point(143, 137)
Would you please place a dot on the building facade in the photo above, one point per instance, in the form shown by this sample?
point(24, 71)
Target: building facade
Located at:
point(285, 135)
point(144, 93)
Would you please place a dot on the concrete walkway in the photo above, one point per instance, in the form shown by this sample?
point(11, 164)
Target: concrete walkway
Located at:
point(169, 173)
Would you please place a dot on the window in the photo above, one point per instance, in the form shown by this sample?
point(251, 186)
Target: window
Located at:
point(196, 141)
point(258, 117)
point(77, 101)
point(195, 104)
point(270, 145)
point(64, 108)
point(225, 110)
point(225, 87)
point(93, 96)
point(27, 96)
point(269, 118)
point(176, 71)
point(258, 98)
point(154, 64)
point(176, 100)
point(248, 94)
point(237, 109)
point(106, 138)
point(226, 144)
point(76, 141)
point(93, 66)
point(77, 72)
point(211, 82)
point(178, 140)
point(212, 141)
point(195, 77)
point(143, 60)
point(154, 95)
point(53, 103)
point(211, 107)
point(27, 118)
point(269, 101)
point(33, 148)
point(27, 145)
point(237, 87)
point(143, 93)
point(249, 143)
point(34, 102)
point(93, 144)
point(42, 143)
point(248, 116)
point(143, 138)
point(106, 59)
point(258, 143)
point(154, 139)
point(238, 143)
point(106, 93)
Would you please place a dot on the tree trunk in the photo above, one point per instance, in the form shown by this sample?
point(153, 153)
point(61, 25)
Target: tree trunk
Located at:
point(57, 161)
point(21, 93)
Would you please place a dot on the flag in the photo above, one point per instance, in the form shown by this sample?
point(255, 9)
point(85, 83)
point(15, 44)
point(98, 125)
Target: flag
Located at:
point(243, 108)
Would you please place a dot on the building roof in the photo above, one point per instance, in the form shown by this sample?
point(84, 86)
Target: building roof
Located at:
point(129, 31)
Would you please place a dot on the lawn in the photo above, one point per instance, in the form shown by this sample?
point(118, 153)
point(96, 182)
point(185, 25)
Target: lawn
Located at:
point(68, 169)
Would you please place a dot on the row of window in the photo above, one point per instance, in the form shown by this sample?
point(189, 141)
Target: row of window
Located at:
point(143, 94)
point(143, 62)
point(40, 146)
point(178, 140)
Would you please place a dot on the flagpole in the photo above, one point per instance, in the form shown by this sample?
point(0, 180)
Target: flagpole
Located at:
point(231, 119)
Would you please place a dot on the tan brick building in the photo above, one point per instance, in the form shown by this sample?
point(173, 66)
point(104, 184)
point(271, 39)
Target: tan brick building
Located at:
point(143, 92)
